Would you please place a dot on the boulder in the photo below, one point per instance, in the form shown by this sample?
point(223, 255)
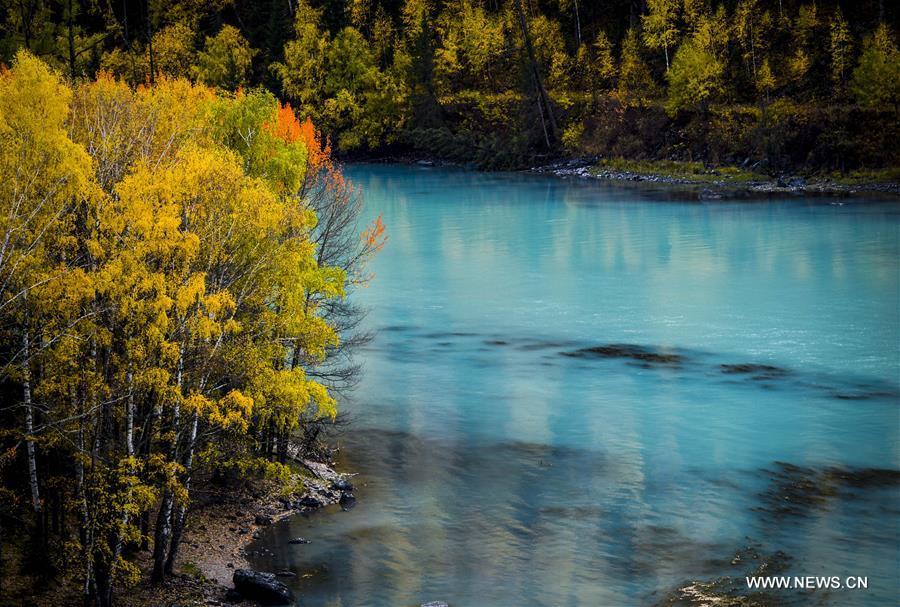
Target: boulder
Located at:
point(341, 484)
point(262, 519)
point(262, 587)
point(298, 540)
point(347, 501)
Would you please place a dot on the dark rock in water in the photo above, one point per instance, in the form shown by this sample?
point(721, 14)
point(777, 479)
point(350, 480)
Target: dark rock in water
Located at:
point(285, 573)
point(341, 484)
point(435, 604)
point(758, 371)
point(347, 501)
point(631, 351)
point(262, 520)
point(233, 596)
point(298, 540)
point(796, 490)
point(309, 502)
point(866, 477)
point(262, 587)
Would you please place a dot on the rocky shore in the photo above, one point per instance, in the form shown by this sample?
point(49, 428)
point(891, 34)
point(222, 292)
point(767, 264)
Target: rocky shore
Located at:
point(715, 184)
point(213, 567)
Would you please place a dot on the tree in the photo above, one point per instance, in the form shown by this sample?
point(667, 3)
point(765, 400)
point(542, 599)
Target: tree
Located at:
point(660, 25)
point(695, 78)
point(635, 82)
point(751, 29)
point(603, 65)
point(765, 80)
point(225, 60)
point(302, 73)
point(161, 262)
point(840, 46)
point(876, 79)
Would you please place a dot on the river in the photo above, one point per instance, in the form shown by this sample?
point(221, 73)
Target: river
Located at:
point(586, 394)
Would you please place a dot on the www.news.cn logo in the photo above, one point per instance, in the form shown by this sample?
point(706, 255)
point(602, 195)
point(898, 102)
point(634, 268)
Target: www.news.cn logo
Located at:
point(807, 582)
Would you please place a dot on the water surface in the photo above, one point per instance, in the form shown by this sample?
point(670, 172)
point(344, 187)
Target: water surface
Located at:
point(545, 418)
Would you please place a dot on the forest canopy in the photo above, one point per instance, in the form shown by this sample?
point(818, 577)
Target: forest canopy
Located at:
point(790, 83)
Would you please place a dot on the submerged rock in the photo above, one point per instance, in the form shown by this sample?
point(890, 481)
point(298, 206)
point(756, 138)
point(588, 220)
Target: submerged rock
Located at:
point(298, 540)
point(347, 501)
point(262, 587)
point(435, 604)
point(728, 591)
point(755, 371)
point(630, 351)
point(797, 490)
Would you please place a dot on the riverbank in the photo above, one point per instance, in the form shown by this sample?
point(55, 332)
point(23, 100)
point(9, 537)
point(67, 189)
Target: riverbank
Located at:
point(712, 183)
point(693, 179)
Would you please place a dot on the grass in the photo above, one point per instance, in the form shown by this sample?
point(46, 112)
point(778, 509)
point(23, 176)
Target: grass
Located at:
point(682, 170)
point(192, 570)
point(867, 176)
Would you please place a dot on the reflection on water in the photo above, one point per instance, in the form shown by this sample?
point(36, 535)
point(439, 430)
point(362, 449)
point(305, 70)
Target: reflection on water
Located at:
point(578, 394)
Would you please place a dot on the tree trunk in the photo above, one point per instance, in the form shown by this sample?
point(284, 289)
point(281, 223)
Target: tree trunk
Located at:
point(180, 516)
point(163, 530)
point(29, 426)
point(70, 23)
point(543, 97)
point(150, 41)
point(577, 25)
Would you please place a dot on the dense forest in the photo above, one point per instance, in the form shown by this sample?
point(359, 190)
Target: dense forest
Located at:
point(174, 265)
point(783, 83)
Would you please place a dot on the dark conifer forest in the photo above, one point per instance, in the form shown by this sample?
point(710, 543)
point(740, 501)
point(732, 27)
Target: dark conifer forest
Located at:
point(780, 84)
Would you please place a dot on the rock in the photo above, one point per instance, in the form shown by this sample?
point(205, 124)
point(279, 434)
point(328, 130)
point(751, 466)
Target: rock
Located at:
point(262, 587)
point(634, 352)
point(341, 484)
point(233, 596)
point(797, 182)
point(309, 502)
point(298, 540)
point(285, 573)
point(781, 183)
point(262, 520)
point(347, 501)
point(436, 604)
point(756, 371)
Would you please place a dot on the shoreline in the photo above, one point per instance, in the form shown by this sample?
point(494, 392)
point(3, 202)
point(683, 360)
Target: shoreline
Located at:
point(715, 184)
point(232, 523)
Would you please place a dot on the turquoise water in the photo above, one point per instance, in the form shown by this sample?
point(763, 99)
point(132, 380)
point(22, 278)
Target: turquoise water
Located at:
point(502, 464)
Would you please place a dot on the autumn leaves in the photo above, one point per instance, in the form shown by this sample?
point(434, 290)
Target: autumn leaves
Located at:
point(161, 293)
